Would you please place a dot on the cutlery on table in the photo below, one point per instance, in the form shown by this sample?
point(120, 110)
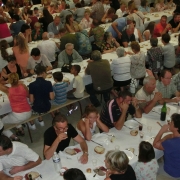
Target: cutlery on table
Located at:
point(127, 127)
point(155, 112)
point(159, 124)
point(96, 172)
point(97, 143)
point(137, 121)
point(110, 135)
point(130, 151)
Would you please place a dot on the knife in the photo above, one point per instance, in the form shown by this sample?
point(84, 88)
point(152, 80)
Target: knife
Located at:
point(127, 127)
point(137, 121)
point(97, 143)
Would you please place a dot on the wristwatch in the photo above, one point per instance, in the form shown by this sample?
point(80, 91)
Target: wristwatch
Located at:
point(85, 152)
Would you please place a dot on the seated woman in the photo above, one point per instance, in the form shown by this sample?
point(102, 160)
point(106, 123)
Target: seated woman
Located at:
point(37, 32)
point(149, 31)
point(62, 5)
point(21, 52)
point(160, 6)
point(120, 69)
point(4, 31)
point(118, 166)
point(53, 8)
point(71, 25)
point(86, 21)
point(87, 125)
point(170, 4)
point(137, 33)
point(21, 110)
point(26, 31)
point(3, 54)
point(109, 16)
point(11, 67)
point(110, 44)
point(144, 8)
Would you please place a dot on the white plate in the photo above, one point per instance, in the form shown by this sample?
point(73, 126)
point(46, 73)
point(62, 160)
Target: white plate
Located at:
point(158, 109)
point(131, 124)
point(71, 147)
point(129, 154)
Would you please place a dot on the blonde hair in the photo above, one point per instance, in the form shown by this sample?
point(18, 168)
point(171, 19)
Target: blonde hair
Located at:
point(117, 161)
point(21, 43)
point(37, 24)
point(13, 79)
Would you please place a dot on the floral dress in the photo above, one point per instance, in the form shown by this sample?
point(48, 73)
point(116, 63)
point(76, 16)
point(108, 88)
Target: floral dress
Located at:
point(107, 46)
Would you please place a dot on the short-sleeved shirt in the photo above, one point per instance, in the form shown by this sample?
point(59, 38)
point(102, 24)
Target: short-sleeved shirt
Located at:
point(158, 29)
point(126, 38)
point(21, 155)
point(50, 136)
point(174, 24)
point(16, 27)
point(172, 156)
point(78, 84)
point(166, 91)
point(177, 81)
point(111, 113)
point(41, 89)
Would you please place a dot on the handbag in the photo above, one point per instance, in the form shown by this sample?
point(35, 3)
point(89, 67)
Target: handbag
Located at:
point(66, 68)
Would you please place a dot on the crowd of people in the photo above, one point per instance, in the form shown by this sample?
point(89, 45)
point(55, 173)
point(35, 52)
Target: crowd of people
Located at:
point(82, 37)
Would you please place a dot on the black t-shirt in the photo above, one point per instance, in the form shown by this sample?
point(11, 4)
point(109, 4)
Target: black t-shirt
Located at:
point(173, 24)
point(50, 136)
point(111, 111)
point(128, 175)
point(126, 38)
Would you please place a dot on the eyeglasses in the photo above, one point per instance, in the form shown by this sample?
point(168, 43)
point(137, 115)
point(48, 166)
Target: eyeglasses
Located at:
point(61, 129)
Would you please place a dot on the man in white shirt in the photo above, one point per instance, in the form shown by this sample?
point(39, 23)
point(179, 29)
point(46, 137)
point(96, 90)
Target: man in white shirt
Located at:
point(48, 47)
point(37, 58)
point(122, 10)
point(15, 157)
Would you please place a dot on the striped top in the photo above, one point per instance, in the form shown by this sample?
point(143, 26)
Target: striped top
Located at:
point(60, 90)
point(120, 68)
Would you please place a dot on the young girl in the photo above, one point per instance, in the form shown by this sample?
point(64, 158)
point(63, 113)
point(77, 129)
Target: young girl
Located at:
point(147, 166)
point(86, 126)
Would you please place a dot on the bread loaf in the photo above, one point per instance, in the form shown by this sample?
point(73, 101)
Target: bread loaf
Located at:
point(99, 149)
point(70, 151)
point(134, 132)
point(32, 175)
point(88, 170)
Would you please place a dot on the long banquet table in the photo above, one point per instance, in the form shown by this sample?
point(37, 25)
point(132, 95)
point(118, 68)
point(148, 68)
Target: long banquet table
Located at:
point(123, 139)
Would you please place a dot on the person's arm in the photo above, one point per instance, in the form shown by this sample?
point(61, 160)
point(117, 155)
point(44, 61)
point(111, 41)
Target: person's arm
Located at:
point(61, 59)
point(31, 98)
point(27, 90)
point(104, 18)
point(114, 26)
point(4, 88)
point(82, 142)
point(125, 44)
point(138, 112)
point(146, 35)
point(3, 176)
point(168, 26)
point(140, 36)
point(76, 57)
point(49, 150)
point(29, 165)
point(174, 30)
point(69, 29)
point(101, 125)
point(158, 139)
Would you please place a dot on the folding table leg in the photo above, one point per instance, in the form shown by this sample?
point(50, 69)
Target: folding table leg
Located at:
point(80, 107)
point(29, 133)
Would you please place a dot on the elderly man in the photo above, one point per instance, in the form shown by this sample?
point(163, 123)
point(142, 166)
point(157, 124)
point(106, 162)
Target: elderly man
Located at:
point(162, 27)
point(128, 36)
point(48, 47)
point(15, 157)
point(55, 26)
point(5, 15)
point(68, 56)
point(170, 144)
point(115, 112)
point(37, 58)
point(175, 23)
point(100, 71)
point(167, 87)
point(118, 26)
point(57, 138)
point(148, 95)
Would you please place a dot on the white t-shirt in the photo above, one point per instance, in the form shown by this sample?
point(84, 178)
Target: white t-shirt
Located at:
point(119, 13)
point(21, 155)
point(120, 68)
point(49, 48)
point(79, 85)
point(43, 60)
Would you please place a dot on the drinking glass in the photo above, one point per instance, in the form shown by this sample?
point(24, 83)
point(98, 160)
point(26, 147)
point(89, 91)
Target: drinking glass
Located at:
point(149, 128)
point(117, 147)
point(141, 135)
point(94, 162)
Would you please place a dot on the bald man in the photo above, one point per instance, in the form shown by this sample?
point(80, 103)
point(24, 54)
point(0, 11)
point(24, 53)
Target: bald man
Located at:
point(48, 47)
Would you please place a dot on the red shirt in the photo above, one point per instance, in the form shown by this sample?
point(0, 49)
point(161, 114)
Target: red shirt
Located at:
point(4, 31)
point(34, 19)
point(158, 29)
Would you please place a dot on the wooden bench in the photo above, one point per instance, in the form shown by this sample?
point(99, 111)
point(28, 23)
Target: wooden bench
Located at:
point(53, 108)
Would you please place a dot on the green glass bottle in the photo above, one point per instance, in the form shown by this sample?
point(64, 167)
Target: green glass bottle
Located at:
point(163, 112)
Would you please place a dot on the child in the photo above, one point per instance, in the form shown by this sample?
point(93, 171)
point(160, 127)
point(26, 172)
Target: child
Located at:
point(60, 89)
point(147, 166)
point(78, 85)
point(86, 126)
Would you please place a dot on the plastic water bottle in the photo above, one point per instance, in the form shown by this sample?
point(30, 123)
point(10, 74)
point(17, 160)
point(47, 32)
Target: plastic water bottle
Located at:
point(57, 162)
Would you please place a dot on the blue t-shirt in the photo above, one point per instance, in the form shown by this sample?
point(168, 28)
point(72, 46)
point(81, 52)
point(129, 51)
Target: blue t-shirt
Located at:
point(122, 23)
point(172, 157)
point(40, 90)
point(60, 90)
point(16, 27)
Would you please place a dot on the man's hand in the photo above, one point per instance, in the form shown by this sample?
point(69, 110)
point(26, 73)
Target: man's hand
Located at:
point(157, 96)
point(165, 128)
point(15, 169)
point(124, 106)
point(176, 99)
point(134, 102)
point(18, 178)
point(62, 136)
point(168, 26)
point(119, 35)
point(84, 158)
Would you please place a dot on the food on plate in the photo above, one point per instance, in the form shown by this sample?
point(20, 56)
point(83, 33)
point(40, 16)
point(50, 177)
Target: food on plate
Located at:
point(102, 168)
point(156, 15)
point(70, 151)
point(77, 150)
point(32, 175)
point(99, 172)
point(134, 132)
point(49, 76)
point(99, 149)
point(65, 79)
point(29, 79)
point(88, 170)
point(131, 149)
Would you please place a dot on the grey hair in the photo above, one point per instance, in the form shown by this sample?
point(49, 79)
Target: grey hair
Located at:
point(130, 17)
point(96, 55)
point(148, 79)
point(120, 51)
point(69, 44)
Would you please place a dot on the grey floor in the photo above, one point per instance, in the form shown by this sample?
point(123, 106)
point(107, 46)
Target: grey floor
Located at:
point(37, 134)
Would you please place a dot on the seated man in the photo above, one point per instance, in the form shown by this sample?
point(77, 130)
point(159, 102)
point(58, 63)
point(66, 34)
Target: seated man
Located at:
point(167, 88)
point(170, 144)
point(114, 113)
point(175, 23)
point(148, 94)
point(57, 138)
point(15, 157)
point(127, 36)
point(37, 58)
point(68, 56)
